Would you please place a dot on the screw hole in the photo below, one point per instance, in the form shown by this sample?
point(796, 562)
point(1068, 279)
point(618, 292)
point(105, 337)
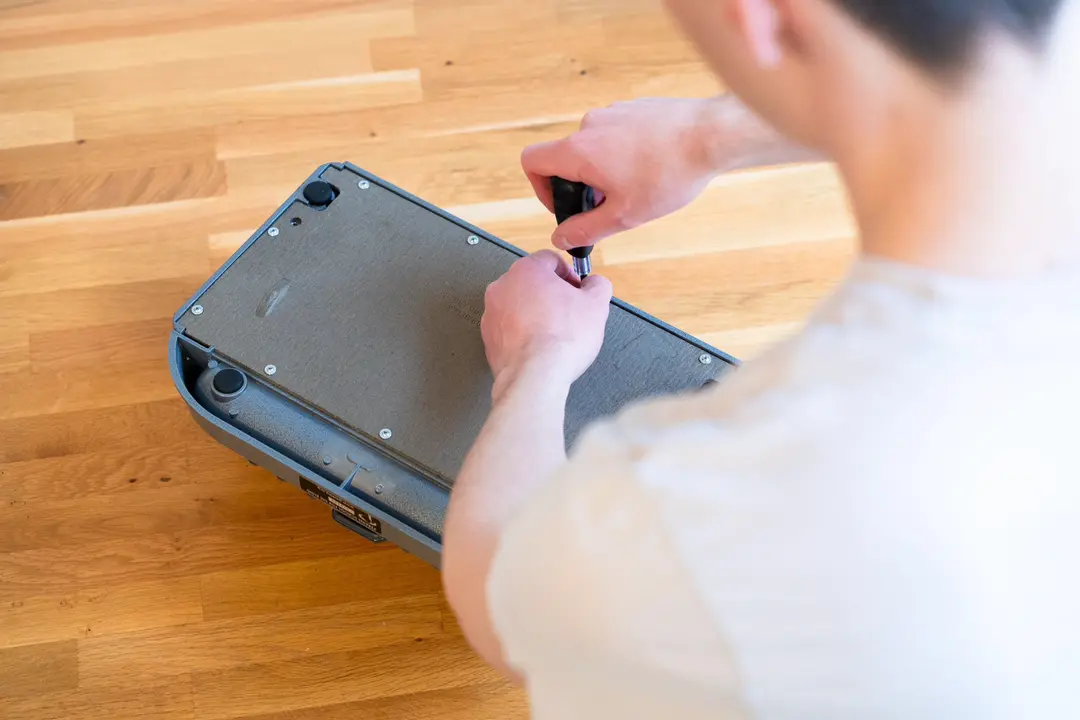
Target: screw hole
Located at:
point(295, 221)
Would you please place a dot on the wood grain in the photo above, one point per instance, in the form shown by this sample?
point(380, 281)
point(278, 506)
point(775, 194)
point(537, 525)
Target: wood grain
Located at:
point(92, 612)
point(148, 572)
point(36, 128)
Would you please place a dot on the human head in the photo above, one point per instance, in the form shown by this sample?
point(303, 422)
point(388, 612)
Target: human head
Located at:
point(807, 65)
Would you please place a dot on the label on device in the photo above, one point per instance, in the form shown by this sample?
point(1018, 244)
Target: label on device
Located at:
point(358, 516)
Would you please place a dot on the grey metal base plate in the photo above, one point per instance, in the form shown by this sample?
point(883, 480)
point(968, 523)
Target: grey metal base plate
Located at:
point(369, 312)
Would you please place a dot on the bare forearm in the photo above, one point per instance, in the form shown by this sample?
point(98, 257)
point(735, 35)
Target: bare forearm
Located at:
point(520, 448)
point(733, 138)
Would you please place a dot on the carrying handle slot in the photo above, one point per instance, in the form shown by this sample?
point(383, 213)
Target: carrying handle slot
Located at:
point(346, 522)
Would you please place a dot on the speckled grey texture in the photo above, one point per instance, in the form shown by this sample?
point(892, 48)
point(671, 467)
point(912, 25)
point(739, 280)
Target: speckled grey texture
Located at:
point(355, 468)
point(370, 312)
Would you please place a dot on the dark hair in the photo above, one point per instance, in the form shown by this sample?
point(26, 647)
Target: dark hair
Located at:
point(940, 34)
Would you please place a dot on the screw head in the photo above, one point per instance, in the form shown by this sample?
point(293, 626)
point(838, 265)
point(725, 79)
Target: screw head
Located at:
point(273, 232)
point(197, 310)
point(379, 489)
point(473, 240)
point(363, 184)
point(386, 433)
point(705, 359)
point(327, 460)
point(270, 369)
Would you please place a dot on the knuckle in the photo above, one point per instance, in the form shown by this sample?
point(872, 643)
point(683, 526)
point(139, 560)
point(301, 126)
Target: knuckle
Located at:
point(588, 168)
point(623, 218)
point(579, 143)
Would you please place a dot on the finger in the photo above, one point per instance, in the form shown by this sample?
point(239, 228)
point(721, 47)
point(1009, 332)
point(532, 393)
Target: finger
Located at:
point(589, 228)
point(557, 158)
point(598, 286)
point(551, 159)
point(538, 162)
point(548, 260)
point(542, 187)
point(567, 273)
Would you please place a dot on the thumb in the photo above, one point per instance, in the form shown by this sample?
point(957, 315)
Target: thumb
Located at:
point(589, 228)
point(598, 286)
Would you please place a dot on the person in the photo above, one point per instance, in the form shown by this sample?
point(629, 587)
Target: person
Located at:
point(878, 518)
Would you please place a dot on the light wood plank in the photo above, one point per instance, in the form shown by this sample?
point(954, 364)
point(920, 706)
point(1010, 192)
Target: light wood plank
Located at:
point(167, 556)
point(136, 658)
point(120, 460)
point(287, 36)
point(99, 156)
point(35, 128)
point(750, 342)
point(99, 612)
point(14, 341)
point(66, 523)
point(290, 586)
point(113, 430)
point(151, 258)
point(402, 669)
point(197, 178)
point(495, 701)
point(196, 109)
point(170, 701)
point(38, 669)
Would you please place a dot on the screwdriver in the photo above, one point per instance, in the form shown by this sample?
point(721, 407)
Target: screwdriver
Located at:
point(570, 199)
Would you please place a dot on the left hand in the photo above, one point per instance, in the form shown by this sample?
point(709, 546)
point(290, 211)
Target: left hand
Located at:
point(538, 318)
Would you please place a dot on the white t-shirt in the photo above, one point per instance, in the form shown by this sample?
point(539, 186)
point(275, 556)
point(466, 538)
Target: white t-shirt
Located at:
point(878, 519)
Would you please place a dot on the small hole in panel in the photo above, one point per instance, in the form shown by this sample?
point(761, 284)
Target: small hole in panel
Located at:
point(295, 221)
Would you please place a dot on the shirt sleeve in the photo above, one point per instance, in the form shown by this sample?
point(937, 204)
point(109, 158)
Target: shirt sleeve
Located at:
point(589, 597)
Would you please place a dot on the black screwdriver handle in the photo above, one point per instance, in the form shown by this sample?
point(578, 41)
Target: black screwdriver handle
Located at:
point(570, 199)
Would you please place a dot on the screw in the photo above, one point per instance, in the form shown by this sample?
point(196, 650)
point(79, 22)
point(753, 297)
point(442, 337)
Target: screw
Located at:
point(473, 240)
point(379, 489)
point(386, 433)
point(273, 232)
point(705, 359)
point(363, 184)
point(197, 310)
point(327, 460)
point(270, 369)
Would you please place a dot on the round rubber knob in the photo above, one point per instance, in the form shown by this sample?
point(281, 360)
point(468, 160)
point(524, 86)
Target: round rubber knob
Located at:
point(229, 381)
point(319, 193)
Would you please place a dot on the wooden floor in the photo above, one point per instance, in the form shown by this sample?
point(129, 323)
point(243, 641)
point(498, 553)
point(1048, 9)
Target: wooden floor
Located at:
point(146, 572)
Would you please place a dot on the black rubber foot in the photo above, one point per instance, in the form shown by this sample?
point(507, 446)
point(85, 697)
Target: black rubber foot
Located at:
point(229, 381)
point(319, 193)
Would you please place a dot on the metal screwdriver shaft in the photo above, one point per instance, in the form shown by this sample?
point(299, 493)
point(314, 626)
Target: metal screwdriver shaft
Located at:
point(570, 199)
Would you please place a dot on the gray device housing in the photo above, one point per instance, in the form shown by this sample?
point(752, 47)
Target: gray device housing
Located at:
point(355, 328)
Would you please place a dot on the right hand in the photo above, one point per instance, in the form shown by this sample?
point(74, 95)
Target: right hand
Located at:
point(648, 158)
point(525, 320)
